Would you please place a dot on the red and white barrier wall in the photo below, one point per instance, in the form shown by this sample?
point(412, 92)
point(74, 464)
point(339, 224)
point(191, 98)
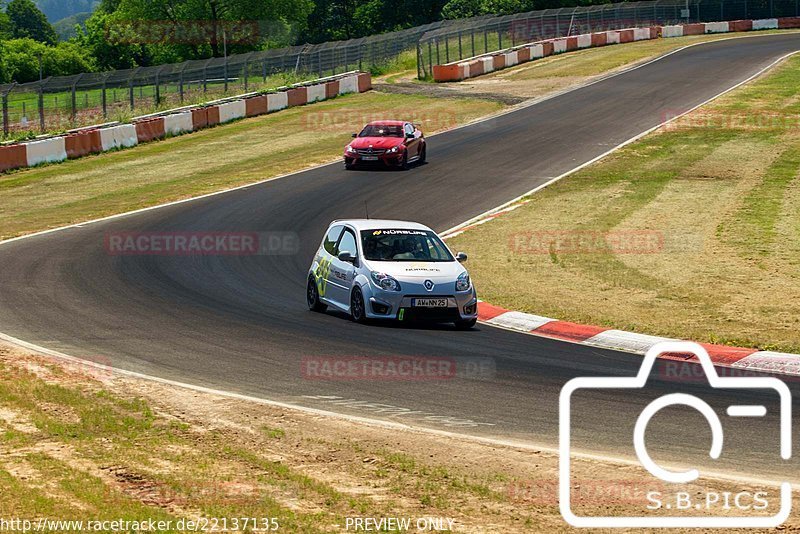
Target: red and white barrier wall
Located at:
point(145, 129)
point(469, 68)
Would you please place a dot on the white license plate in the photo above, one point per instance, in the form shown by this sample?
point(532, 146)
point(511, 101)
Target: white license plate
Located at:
point(369, 158)
point(429, 303)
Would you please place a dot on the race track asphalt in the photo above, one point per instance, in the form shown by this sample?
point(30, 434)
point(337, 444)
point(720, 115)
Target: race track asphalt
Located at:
point(240, 323)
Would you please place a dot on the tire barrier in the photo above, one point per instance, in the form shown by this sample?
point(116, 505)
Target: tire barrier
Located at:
point(178, 123)
point(486, 63)
point(83, 143)
point(277, 102)
point(297, 96)
point(230, 111)
point(199, 118)
point(332, 89)
point(256, 105)
point(116, 137)
point(316, 93)
point(46, 151)
point(150, 129)
point(364, 82)
point(348, 84)
point(103, 139)
point(13, 157)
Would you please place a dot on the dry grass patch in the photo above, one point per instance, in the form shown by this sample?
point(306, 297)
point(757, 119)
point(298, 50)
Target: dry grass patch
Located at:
point(713, 202)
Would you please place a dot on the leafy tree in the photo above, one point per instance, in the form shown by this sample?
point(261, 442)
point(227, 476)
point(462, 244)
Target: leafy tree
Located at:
point(109, 53)
point(21, 58)
point(456, 9)
point(30, 23)
point(216, 15)
point(6, 29)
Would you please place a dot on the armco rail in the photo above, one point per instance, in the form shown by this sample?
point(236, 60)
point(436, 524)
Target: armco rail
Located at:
point(476, 66)
point(94, 140)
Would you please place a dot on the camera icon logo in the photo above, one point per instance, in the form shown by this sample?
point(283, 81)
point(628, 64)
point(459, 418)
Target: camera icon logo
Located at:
point(665, 475)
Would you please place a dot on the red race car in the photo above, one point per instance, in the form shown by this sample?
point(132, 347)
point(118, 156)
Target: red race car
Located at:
point(392, 143)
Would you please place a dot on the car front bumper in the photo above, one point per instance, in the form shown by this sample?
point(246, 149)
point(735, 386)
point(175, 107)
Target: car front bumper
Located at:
point(397, 305)
point(390, 160)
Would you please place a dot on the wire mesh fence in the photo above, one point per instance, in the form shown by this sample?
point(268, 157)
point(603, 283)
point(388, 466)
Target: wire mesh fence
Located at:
point(471, 37)
point(64, 102)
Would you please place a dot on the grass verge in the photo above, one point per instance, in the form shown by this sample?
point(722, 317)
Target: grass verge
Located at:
point(208, 160)
point(77, 444)
point(691, 232)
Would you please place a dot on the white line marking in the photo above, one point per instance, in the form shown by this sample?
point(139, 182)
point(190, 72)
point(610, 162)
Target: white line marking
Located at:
point(509, 443)
point(510, 203)
point(363, 420)
point(747, 411)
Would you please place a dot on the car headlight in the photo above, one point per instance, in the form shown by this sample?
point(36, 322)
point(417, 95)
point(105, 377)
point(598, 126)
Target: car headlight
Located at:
point(463, 282)
point(350, 149)
point(394, 150)
point(385, 282)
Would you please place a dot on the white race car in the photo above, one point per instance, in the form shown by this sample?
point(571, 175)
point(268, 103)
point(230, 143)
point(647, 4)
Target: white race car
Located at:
point(379, 269)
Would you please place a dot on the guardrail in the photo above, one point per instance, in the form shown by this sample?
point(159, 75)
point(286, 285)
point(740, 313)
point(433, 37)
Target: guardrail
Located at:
point(115, 136)
point(483, 64)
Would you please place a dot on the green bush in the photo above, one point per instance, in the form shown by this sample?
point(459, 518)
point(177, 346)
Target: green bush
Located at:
point(20, 61)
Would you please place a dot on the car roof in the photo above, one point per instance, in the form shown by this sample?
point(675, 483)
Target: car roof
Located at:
point(386, 123)
point(378, 224)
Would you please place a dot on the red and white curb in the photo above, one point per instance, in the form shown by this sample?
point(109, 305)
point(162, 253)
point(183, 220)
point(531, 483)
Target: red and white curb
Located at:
point(607, 338)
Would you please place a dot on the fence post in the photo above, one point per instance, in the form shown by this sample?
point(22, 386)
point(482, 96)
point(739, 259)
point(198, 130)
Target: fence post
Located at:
point(105, 98)
point(419, 61)
point(430, 56)
point(472, 38)
point(447, 48)
point(41, 108)
point(460, 48)
point(485, 40)
point(130, 88)
point(157, 89)
point(75, 98)
point(6, 122)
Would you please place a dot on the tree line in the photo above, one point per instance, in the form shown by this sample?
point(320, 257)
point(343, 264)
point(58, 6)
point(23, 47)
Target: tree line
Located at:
point(122, 34)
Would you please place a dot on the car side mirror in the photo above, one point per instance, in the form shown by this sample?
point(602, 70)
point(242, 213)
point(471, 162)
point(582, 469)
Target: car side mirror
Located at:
point(354, 135)
point(461, 257)
point(347, 257)
point(409, 136)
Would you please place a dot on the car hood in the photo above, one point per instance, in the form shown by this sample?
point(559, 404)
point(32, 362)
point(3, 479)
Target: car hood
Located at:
point(407, 270)
point(376, 142)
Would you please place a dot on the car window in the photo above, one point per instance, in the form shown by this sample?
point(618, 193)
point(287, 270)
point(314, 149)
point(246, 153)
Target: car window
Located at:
point(347, 243)
point(403, 245)
point(382, 130)
point(409, 129)
point(331, 238)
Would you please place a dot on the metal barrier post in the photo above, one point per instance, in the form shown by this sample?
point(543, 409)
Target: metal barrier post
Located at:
point(105, 99)
point(41, 108)
point(6, 122)
point(460, 48)
point(419, 61)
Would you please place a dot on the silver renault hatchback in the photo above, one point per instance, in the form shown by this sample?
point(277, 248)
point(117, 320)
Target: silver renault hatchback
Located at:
point(381, 269)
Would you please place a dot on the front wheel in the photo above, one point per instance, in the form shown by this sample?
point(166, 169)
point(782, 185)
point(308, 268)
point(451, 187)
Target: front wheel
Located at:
point(465, 325)
point(404, 164)
point(357, 309)
point(312, 296)
point(423, 155)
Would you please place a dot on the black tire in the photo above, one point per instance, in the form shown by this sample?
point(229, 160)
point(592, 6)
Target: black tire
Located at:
point(358, 310)
point(312, 296)
point(423, 155)
point(404, 164)
point(466, 325)
point(348, 166)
